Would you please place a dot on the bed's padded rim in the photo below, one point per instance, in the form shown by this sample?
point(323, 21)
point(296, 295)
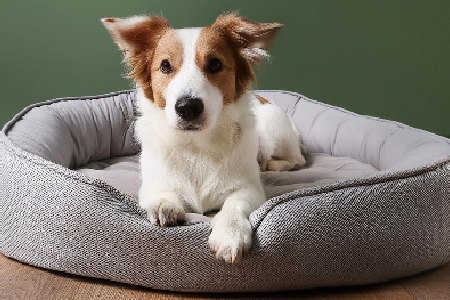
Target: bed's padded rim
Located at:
point(87, 128)
point(60, 219)
point(408, 208)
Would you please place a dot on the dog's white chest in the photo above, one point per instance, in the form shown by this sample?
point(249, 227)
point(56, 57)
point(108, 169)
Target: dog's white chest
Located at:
point(202, 183)
point(201, 170)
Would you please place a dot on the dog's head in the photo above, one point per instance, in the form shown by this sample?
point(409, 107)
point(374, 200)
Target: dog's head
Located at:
point(192, 73)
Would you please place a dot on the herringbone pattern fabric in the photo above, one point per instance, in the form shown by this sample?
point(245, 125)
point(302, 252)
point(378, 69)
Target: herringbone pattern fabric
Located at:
point(365, 230)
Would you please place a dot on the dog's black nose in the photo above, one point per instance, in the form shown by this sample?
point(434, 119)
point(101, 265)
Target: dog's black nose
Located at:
point(189, 108)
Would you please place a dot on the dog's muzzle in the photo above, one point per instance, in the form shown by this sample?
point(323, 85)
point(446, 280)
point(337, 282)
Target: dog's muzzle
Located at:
point(189, 109)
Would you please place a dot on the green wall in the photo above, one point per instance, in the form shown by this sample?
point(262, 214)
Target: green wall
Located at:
point(389, 59)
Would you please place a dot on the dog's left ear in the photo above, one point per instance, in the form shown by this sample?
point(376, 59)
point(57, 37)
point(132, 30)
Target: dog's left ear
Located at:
point(251, 37)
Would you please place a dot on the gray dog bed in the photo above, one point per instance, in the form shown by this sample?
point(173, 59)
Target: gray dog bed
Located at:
point(371, 205)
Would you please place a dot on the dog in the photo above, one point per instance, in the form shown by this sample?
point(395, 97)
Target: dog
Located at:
point(204, 135)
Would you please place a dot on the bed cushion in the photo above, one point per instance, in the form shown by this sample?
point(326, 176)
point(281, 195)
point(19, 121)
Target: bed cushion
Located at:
point(372, 204)
point(123, 173)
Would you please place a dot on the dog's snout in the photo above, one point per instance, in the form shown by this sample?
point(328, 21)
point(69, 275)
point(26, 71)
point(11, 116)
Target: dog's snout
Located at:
point(189, 108)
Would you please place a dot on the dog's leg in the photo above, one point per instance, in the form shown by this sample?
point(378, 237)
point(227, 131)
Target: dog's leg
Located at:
point(280, 148)
point(231, 233)
point(164, 207)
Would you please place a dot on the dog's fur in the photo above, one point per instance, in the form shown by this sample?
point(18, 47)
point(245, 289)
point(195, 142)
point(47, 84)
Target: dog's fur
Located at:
point(209, 162)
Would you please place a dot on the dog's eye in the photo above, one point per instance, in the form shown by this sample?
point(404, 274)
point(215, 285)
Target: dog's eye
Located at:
point(214, 66)
point(165, 67)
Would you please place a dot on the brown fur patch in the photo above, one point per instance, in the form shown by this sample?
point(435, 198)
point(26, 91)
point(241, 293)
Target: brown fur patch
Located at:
point(262, 100)
point(213, 43)
point(244, 74)
point(169, 49)
point(138, 37)
point(249, 34)
point(241, 36)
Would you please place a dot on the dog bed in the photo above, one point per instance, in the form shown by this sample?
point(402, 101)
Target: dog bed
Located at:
point(371, 205)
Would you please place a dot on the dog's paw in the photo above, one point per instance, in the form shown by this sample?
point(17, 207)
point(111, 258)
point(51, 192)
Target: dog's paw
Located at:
point(283, 165)
point(279, 165)
point(230, 238)
point(164, 209)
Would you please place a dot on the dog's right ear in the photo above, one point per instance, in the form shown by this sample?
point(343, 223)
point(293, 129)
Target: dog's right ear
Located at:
point(137, 36)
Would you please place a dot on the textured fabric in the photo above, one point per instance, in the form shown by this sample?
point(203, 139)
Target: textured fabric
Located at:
point(391, 223)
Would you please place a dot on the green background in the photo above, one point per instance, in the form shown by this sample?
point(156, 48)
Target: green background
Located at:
point(389, 59)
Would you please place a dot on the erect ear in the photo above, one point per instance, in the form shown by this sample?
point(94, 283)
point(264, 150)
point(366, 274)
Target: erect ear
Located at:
point(137, 36)
point(253, 38)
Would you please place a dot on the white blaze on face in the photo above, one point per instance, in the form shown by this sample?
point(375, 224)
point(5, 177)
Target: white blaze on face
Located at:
point(190, 81)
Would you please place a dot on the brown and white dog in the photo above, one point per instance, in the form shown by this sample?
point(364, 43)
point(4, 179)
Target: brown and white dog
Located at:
point(202, 131)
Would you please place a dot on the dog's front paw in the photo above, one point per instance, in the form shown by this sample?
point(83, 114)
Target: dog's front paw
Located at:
point(230, 238)
point(163, 209)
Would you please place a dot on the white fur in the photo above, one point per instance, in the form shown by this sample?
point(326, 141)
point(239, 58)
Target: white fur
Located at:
point(202, 167)
point(214, 168)
point(191, 81)
point(199, 171)
point(279, 141)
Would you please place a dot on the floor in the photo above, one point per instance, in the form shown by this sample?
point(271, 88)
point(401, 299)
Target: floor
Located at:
point(21, 281)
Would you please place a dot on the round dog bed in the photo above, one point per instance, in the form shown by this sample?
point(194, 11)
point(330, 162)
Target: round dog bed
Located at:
point(371, 205)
